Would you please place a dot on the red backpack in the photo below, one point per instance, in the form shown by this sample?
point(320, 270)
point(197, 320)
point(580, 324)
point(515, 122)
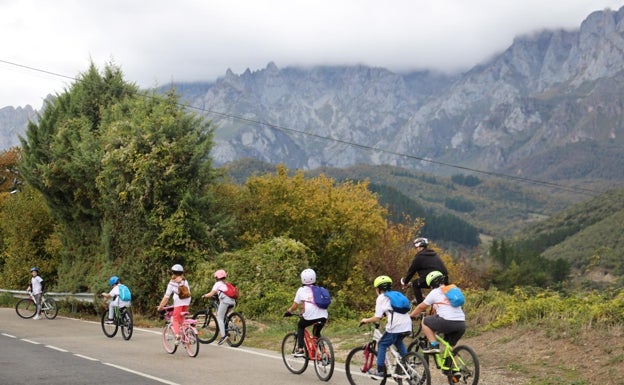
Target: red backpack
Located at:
point(231, 291)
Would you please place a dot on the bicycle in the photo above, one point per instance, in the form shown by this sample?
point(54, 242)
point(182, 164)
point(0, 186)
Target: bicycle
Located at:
point(27, 307)
point(319, 350)
point(122, 318)
point(208, 328)
point(412, 368)
point(188, 333)
point(459, 364)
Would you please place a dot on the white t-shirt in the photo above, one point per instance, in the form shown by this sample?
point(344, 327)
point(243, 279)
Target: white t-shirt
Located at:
point(397, 322)
point(443, 307)
point(305, 298)
point(114, 293)
point(172, 289)
point(220, 286)
point(35, 284)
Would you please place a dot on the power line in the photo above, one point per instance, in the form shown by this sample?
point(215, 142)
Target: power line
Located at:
point(353, 144)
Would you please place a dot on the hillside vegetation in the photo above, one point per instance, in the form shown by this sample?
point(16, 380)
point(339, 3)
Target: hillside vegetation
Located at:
point(588, 235)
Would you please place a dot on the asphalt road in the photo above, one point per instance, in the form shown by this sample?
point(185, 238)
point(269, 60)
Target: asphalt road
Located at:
point(67, 351)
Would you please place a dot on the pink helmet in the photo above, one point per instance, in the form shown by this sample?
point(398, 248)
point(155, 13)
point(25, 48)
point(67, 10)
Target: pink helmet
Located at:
point(220, 274)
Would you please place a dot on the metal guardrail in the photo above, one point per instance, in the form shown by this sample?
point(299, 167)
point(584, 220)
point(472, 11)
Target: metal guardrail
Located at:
point(69, 297)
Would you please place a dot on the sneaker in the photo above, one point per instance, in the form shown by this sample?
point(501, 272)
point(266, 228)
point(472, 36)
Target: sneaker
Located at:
point(177, 340)
point(432, 348)
point(456, 375)
point(223, 339)
point(299, 353)
point(376, 374)
point(109, 321)
point(37, 317)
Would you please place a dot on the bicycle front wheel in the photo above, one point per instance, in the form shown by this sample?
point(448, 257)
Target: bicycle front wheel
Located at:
point(191, 343)
point(324, 360)
point(207, 328)
point(25, 308)
point(466, 367)
point(296, 365)
point(127, 323)
point(236, 329)
point(168, 339)
point(50, 308)
point(359, 361)
point(110, 330)
point(417, 369)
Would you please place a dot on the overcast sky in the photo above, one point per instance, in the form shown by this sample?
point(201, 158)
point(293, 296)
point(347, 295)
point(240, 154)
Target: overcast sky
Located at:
point(156, 42)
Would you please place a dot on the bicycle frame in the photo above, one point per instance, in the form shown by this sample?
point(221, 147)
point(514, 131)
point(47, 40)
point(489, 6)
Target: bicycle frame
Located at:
point(411, 368)
point(191, 344)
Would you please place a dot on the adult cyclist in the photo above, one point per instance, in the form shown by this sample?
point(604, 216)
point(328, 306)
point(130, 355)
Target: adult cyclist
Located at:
point(425, 261)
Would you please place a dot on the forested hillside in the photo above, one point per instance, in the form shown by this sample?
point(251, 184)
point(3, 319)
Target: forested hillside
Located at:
point(588, 235)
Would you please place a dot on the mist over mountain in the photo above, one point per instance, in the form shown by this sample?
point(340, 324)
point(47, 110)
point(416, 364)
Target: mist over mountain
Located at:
point(550, 106)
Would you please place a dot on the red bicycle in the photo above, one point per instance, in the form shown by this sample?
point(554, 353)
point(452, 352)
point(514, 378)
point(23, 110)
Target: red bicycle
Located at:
point(319, 350)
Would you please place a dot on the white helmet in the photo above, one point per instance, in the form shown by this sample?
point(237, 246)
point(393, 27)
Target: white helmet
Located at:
point(308, 277)
point(177, 268)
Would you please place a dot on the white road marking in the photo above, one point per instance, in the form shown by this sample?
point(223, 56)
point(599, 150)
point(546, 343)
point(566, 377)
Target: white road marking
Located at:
point(8, 335)
point(55, 348)
point(85, 357)
point(31, 341)
point(162, 380)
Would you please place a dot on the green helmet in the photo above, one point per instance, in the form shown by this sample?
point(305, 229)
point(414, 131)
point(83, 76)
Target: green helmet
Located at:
point(434, 279)
point(383, 282)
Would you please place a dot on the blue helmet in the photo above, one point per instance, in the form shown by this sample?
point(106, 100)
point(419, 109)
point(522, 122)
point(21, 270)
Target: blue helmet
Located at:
point(113, 280)
point(34, 269)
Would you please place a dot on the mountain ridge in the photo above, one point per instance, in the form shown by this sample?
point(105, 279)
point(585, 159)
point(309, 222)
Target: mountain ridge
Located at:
point(547, 91)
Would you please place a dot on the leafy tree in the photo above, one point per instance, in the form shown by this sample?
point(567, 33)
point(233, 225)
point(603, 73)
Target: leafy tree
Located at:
point(126, 176)
point(29, 239)
point(267, 274)
point(335, 221)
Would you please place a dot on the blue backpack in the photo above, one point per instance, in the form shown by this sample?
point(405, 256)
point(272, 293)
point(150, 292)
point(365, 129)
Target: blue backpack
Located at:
point(399, 302)
point(454, 295)
point(321, 296)
point(124, 293)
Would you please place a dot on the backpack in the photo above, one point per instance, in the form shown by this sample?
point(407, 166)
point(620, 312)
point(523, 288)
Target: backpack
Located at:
point(231, 291)
point(399, 302)
point(124, 293)
point(454, 295)
point(183, 291)
point(321, 296)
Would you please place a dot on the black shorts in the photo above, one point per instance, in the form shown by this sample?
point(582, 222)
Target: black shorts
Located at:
point(452, 330)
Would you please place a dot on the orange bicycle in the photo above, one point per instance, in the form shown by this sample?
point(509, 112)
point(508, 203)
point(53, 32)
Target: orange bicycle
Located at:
point(318, 350)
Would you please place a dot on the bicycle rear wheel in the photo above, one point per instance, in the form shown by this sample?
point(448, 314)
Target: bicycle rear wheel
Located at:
point(191, 343)
point(25, 308)
point(359, 361)
point(236, 329)
point(466, 366)
point(168, 339)
point(296, 365)
point(127, 323)
point(207, 328)
point(49, 307)
point(324, 360)
point(417, 369)
point(110, 330)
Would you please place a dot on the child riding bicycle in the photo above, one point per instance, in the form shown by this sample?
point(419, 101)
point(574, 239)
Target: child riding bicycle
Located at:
point(449, 320)
point(116, 301)
point(225, 302)
point(399, 325)
point(310, 313)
